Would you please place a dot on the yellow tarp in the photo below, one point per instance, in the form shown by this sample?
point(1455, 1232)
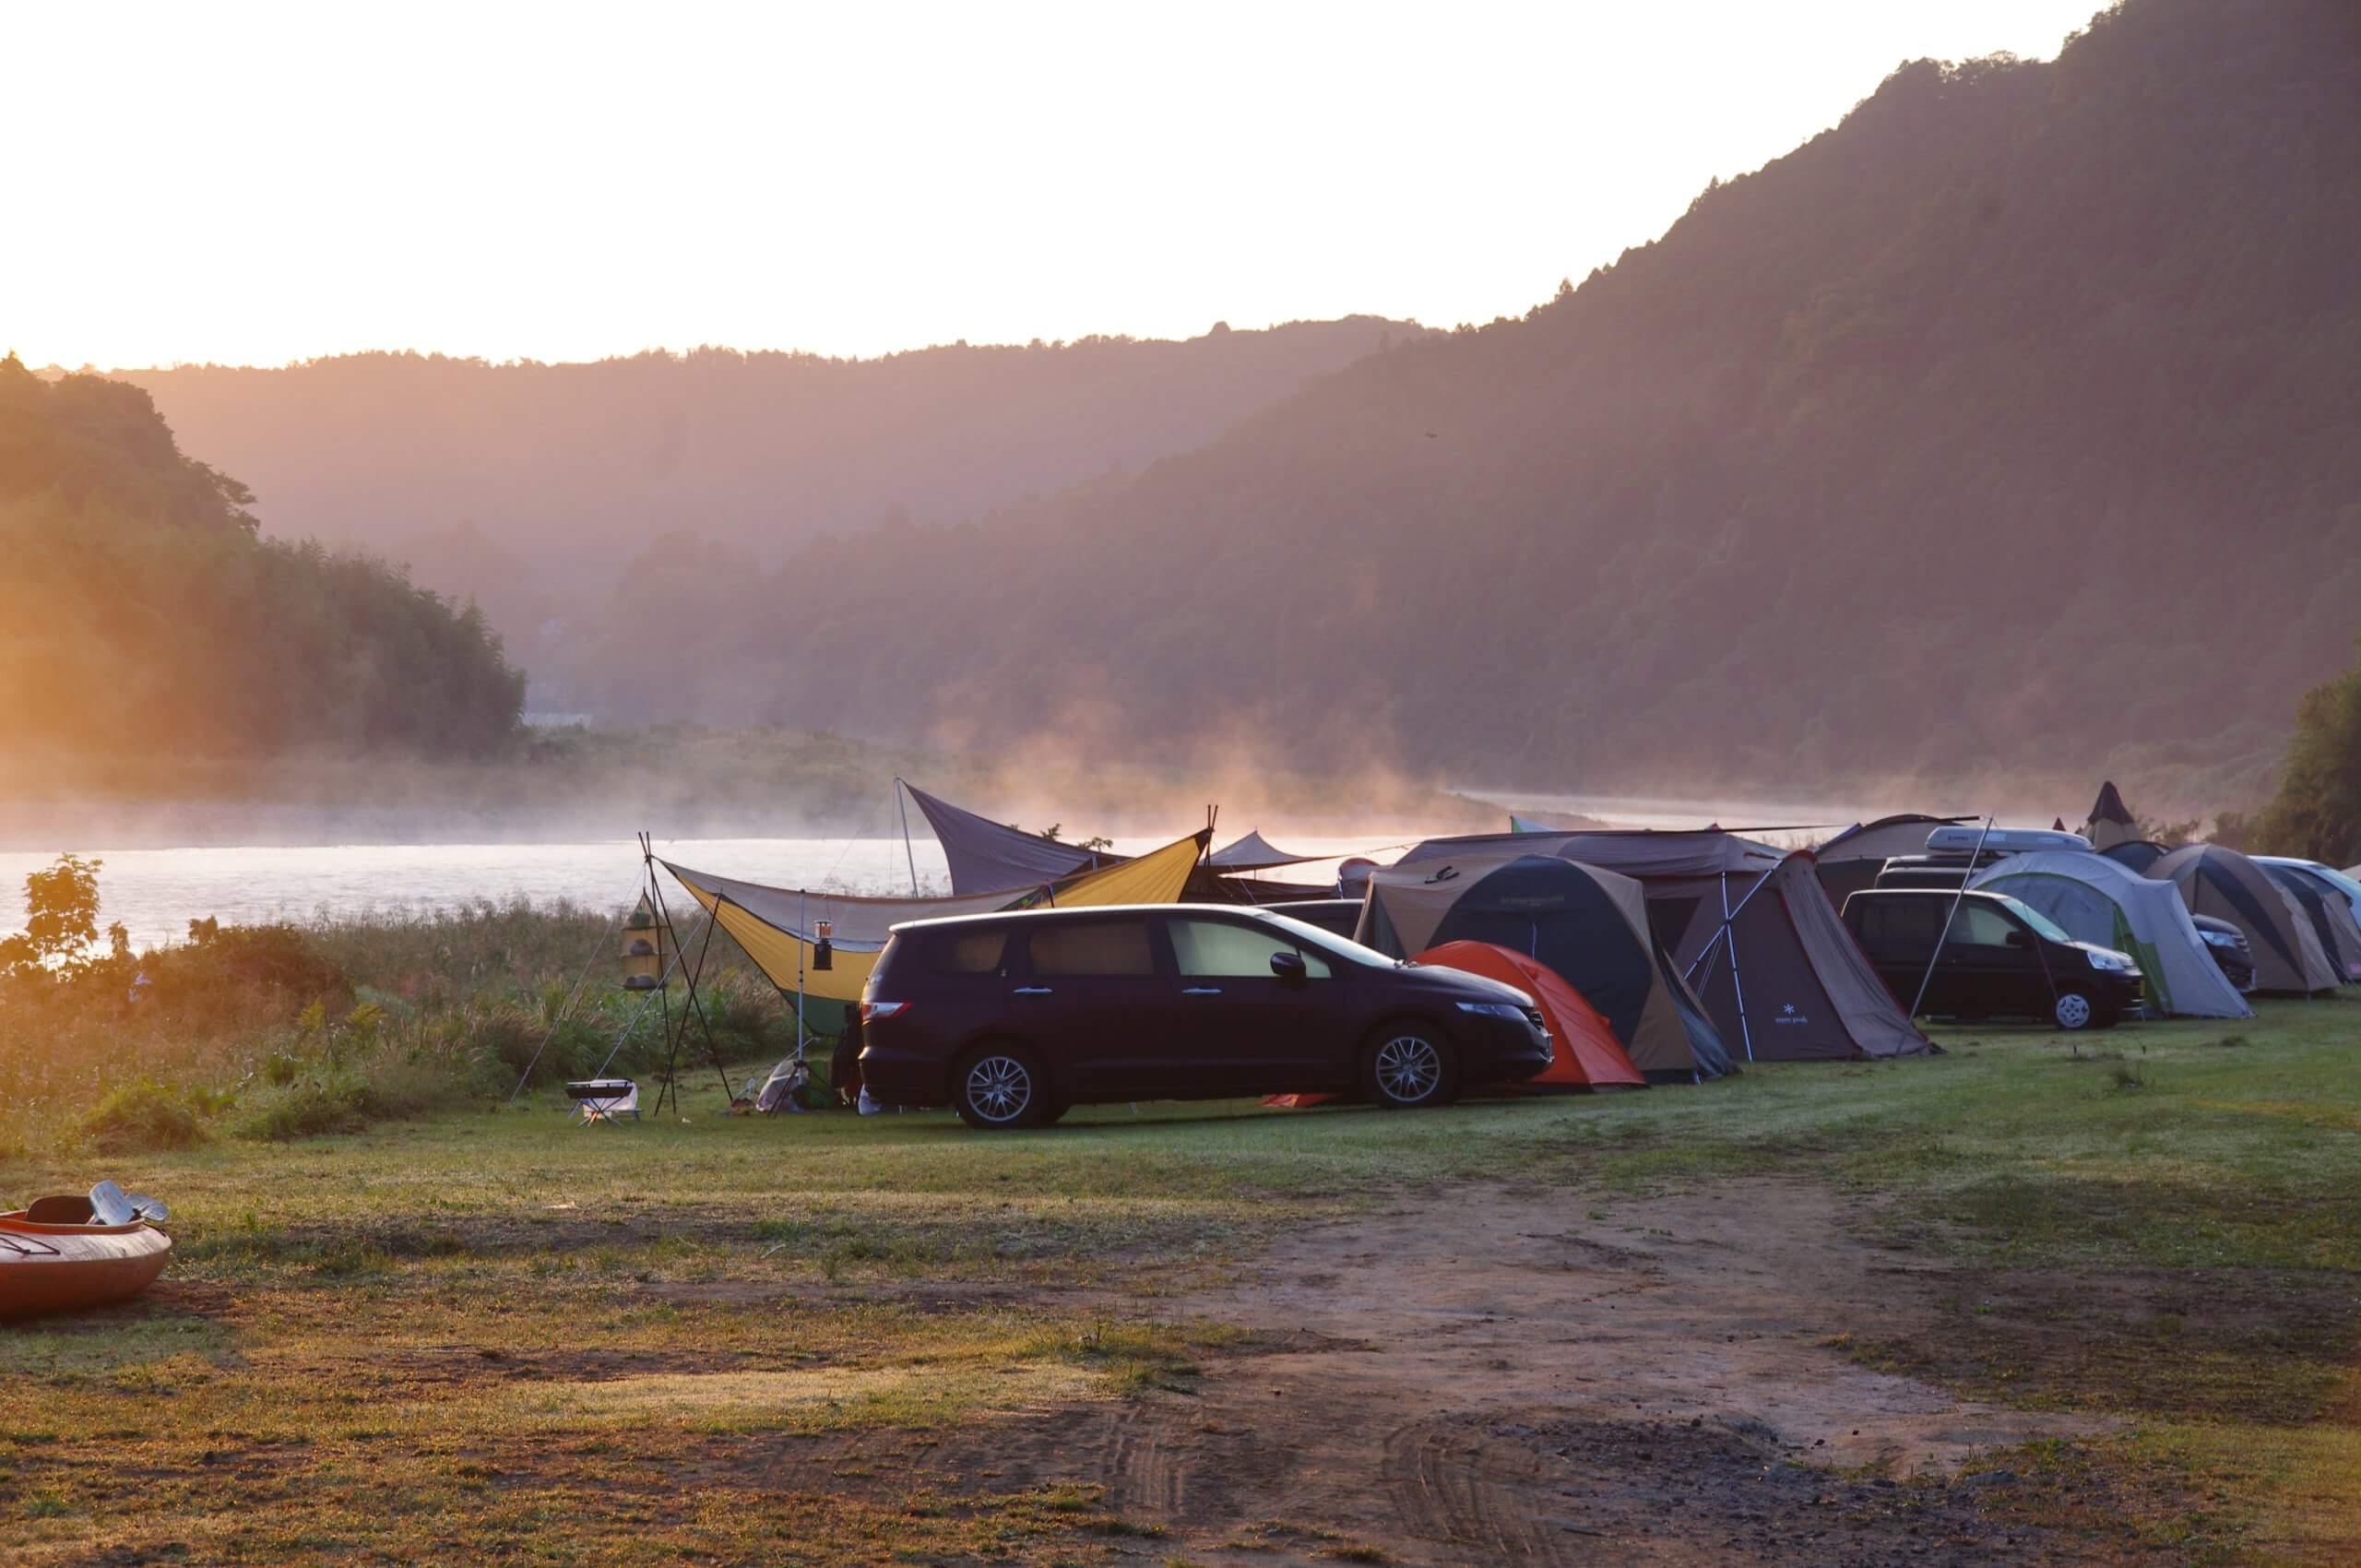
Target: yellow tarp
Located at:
point(1157, 878)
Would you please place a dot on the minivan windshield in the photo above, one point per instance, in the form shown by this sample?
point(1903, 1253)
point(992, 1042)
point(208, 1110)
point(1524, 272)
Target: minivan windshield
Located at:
point(2034, 918)
point(1328, 942)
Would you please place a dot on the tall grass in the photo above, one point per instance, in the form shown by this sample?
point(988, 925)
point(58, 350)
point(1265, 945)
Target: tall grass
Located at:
point(281, 1031)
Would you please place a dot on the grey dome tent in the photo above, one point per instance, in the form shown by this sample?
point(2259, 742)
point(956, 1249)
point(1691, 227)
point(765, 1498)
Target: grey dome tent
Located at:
point(2223, 883)
point(1751, 930)
point(1589, 926)
point(2100, 900)
point(2331, 918)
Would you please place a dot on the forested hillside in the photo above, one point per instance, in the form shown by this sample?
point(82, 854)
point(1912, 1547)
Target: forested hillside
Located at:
point(142, 620)
point(2008, 425)
point(454, 464)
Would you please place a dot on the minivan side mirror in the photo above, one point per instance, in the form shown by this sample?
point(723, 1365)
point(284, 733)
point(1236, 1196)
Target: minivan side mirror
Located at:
point(1287, 966)
point(2019, 938)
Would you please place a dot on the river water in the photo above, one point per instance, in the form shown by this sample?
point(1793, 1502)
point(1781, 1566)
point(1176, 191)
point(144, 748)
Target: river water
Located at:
point(155, 893)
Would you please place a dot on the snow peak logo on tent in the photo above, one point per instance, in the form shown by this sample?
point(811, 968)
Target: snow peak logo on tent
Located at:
point(1789, 1014)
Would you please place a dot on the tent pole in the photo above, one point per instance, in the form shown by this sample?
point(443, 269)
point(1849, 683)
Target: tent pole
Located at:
point(902, 805)
point(1730, 914)
point(696, 1004)
point(802, 924)
point(1950, 915)
point(1738, 987)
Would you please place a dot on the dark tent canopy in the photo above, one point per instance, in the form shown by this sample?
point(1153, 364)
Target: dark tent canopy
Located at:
point(2138, 854)
point(2111, 822)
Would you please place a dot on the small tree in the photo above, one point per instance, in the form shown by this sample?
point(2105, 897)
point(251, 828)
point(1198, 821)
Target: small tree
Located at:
point(2317, 813)
point(61, 922)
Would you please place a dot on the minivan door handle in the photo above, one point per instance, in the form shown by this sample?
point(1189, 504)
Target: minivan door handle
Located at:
point(1201, 991)
point(1031, 991)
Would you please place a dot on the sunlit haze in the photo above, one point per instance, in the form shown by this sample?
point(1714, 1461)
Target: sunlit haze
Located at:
point(257, 184)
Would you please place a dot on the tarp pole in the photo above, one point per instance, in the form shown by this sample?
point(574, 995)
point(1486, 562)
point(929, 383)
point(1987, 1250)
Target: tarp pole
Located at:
point(802, 924)
point(902, 805)
point(1738, 987)
point(1927, 979)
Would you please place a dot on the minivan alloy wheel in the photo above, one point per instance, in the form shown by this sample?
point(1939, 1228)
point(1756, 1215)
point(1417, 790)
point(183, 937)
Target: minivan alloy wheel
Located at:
point(1409, 1068)
point(1000, 1088)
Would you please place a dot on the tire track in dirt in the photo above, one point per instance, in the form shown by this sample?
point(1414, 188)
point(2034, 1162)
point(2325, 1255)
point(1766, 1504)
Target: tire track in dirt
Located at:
point(1438, 1476)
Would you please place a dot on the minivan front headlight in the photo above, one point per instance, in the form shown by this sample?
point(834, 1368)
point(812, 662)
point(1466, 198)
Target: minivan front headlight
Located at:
point(2111, 963)
point(2219, 938)
point(1493, 1010)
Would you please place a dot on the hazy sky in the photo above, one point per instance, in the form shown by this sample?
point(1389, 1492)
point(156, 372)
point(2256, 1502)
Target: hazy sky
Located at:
point(252, 184)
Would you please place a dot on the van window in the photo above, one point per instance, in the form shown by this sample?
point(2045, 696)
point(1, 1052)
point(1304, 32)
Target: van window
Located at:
point(1981, 925)
point(1207, 949)
point(968, 952)
point(1905, 925)
point(1092, 947)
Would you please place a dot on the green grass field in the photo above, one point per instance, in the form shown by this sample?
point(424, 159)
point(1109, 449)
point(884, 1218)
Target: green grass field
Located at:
point(490, 1334)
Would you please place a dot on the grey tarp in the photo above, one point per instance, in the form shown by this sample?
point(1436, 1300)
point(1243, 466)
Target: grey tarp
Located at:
point(2104, 901)
point(1255, 853)
point(1785, 982)
point(2225, 883)
point(985, 855)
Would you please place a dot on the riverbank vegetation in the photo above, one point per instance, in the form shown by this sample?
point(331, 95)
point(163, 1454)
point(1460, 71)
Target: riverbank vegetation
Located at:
point(270, 1032)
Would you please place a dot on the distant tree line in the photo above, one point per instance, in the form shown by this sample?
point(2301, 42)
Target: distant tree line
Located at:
point(141, 616)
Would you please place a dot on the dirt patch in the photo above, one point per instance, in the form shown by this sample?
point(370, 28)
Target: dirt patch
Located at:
point(1492, 1377)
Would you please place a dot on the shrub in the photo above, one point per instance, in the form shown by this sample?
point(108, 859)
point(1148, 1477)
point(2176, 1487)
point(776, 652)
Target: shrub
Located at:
point(143, 1115)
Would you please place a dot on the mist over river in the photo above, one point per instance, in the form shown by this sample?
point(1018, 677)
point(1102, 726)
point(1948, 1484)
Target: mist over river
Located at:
point(155, 893)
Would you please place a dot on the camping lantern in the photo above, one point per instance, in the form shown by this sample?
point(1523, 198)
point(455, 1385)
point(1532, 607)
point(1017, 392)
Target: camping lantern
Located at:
point(824, 951)
point(643, 951)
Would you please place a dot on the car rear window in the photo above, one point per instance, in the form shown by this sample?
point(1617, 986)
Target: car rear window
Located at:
point(1092, 947)
point(968, 952)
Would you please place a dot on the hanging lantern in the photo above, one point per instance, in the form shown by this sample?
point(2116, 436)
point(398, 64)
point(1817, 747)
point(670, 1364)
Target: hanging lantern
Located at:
point(824, 951)
point(643, 950)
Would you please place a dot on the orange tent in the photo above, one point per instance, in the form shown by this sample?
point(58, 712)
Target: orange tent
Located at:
point(1584, 1051)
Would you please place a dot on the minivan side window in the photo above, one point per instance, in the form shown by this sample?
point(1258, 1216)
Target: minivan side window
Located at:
point(1212, 949)
point(968, 952)
point(1092, 947)
point(1980, 925)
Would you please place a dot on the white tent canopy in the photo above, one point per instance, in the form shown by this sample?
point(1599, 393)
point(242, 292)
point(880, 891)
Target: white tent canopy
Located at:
point(2102, 901)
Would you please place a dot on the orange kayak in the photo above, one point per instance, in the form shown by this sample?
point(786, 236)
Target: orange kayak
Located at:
point(56, 1269)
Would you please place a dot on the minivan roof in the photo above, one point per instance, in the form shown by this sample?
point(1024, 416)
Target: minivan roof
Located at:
point(1080, 912)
